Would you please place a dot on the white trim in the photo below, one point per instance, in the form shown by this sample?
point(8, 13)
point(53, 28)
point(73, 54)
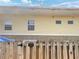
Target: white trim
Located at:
point(42, 34)
point(7, 22)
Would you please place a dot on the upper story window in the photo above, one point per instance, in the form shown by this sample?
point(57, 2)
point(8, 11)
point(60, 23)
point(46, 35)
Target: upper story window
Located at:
point(58, 21)
point(70, 22)
point(8, 25)
point(31, 25)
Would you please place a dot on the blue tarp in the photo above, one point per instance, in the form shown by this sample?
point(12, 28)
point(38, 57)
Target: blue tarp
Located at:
point(5, 39)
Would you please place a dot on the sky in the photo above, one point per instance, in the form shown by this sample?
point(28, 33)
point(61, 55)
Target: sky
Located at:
point(66, 3)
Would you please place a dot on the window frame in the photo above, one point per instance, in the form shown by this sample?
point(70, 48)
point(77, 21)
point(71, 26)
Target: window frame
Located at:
point(58, 22)
point(31, 25)
point(8, 25)
point(70, 22)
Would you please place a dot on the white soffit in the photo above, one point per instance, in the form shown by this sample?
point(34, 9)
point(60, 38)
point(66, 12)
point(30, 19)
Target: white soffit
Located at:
point(38, 11)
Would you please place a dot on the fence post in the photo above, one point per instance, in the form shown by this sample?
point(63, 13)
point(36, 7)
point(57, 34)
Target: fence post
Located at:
point(3, 50)
point(7, 50)
point(46, 50)
point(27, 51)
point(15, 50)
point(65, 51)
point(51, 50)
point(40, 50)
point(11, 50)
point(20, 51)
point(70, 50)
point(34, 51)
point(76, 51)
point(58, 50)
point(0, 50)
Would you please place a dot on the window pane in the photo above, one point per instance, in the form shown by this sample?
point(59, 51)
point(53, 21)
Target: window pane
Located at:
point(30, 27)
point(8, 27)
point(70, 22)
point(58, 22)
point(30, 22)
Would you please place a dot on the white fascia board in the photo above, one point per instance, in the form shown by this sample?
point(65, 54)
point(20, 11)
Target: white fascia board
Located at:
point(42, 34)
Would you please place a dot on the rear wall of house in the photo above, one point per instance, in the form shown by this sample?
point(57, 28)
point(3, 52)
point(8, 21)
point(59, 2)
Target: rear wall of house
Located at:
point(43, 24)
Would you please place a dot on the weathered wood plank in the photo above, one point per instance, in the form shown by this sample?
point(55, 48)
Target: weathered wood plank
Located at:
point(65, 51)
point(70, 50)
point(11, 50)
point(34, 51)
point(76, 51)
point(20, 52)
point(40, 50)
point(27, 51)
point(58, 50)
point(7, 50)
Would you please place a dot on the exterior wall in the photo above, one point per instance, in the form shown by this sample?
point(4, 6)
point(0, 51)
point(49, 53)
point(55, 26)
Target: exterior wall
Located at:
point(43, 24)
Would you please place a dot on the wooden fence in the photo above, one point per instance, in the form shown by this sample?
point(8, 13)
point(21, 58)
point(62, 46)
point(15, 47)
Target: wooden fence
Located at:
point(39, 50)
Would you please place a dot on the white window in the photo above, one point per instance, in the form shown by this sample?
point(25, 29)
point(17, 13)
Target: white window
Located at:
point(8, 25)
point(70, 22)
point(31, 25)
point(58, 21)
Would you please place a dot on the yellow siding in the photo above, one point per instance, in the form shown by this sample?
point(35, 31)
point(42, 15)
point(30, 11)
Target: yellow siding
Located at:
point(43, 24)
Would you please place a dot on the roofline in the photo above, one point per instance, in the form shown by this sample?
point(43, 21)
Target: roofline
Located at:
point(43, 10)
point(39, 7)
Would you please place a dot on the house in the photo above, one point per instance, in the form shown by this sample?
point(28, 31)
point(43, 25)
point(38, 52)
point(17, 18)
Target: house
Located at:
point(54, 32)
